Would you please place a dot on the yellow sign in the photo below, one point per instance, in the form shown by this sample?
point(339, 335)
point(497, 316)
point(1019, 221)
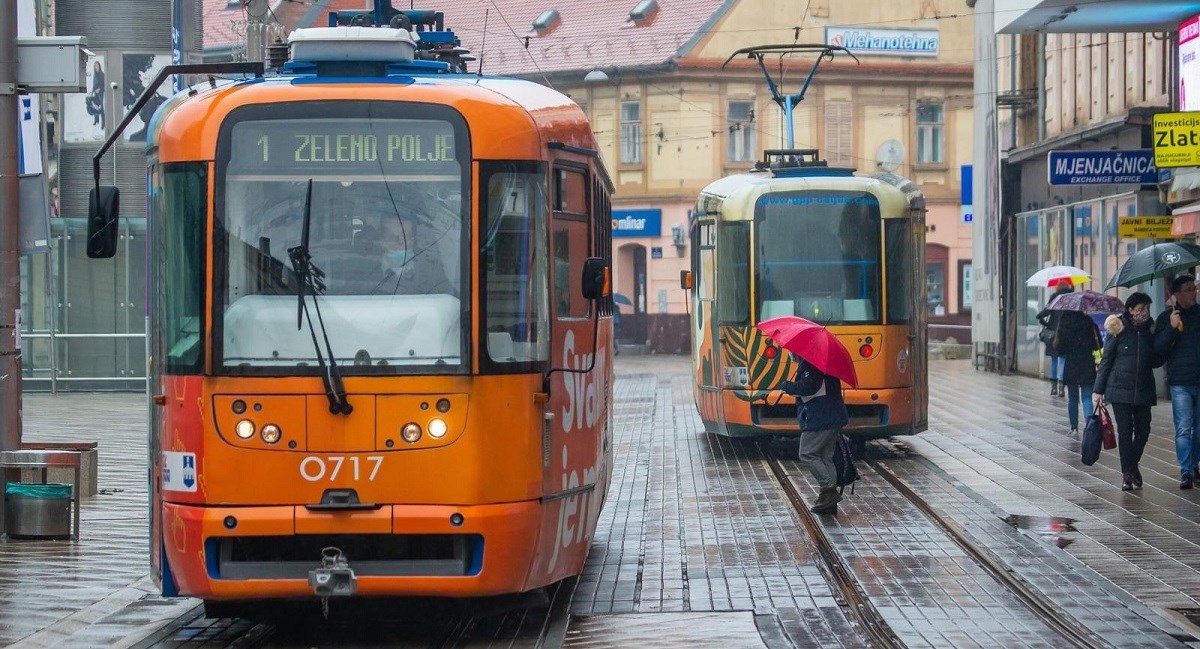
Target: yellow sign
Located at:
point(1144, 227)
point(1177, 140)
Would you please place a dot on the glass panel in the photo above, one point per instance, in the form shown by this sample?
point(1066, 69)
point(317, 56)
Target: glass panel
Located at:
point(516, 290)
point(631, 132)
point(935, 287)
point(386, 233)
point(179, 212)
point(705, 275)
point(818, 256)
point(733, 272)
point(898, 236)
point(570, 249)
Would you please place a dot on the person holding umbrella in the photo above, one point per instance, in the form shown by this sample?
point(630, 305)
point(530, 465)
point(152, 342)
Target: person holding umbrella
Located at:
point(1125, 379)
point(1177, 339)
point(823, 363)
point(1049, 319)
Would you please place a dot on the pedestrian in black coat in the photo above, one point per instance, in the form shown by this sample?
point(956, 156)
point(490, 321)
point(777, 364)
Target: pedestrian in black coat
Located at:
point(1077, 341)
point(1049, 319)
point(1126, 380)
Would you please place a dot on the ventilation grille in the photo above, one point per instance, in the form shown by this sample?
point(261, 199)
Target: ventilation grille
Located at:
point(75, 173)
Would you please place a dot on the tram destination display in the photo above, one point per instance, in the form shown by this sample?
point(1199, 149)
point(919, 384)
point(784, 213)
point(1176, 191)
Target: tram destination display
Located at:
point(344, 146)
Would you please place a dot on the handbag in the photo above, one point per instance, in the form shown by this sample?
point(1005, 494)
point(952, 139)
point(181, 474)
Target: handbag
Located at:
point(1107, 435)
point(1091, 439)
point(1047, 335)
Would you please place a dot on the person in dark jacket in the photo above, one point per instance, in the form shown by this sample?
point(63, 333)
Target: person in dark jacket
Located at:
point(1177, 340)
point(1049, 321)
point(821, 413)
point(1078, 339)
point(1125, 379)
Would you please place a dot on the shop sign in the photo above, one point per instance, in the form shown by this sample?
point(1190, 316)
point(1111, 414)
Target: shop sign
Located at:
point(1144, 227)
point(884, 42)
point(1177, 139)
point(1189, 64)
point(1102, 167)
point(637, 223)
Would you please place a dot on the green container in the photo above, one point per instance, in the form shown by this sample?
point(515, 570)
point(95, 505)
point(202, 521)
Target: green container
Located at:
point(52, 490)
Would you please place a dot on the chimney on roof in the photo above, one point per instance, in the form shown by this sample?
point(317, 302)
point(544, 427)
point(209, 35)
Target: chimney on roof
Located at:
point(546, 22)
point(643, 11)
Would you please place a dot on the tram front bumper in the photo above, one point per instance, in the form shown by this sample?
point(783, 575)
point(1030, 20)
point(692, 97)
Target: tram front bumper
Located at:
point(397, 550)
point(872, 413)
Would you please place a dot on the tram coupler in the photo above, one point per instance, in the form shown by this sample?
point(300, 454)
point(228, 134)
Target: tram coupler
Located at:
point(334, 578)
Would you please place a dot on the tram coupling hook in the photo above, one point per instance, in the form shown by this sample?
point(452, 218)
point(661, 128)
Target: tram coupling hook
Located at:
point(334, 578)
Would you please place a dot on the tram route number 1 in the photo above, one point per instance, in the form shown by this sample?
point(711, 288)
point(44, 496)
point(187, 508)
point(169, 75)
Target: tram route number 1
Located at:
point(313, 468)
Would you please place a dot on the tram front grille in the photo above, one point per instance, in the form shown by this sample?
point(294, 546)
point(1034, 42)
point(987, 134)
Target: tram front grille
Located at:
point(369, 555)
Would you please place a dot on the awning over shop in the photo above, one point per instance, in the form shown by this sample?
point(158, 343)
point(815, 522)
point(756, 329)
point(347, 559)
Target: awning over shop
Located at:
point(1092, 16)
point(1186, 219)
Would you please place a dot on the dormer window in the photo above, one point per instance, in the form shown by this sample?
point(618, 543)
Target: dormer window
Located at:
point(643, 10)
point(546, 21)
point(233, 4)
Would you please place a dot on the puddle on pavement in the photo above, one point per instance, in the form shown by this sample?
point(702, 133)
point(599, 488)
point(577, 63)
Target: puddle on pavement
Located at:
point(1048, 528)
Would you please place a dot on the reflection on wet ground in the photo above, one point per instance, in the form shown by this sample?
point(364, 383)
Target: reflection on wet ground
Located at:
point(1047, 528)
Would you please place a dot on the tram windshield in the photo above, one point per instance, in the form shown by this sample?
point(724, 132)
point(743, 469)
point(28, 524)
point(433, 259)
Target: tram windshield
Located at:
point(386, 230)
point(818, 256)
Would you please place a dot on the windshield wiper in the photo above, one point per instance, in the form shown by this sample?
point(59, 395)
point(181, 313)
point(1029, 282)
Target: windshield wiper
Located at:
point(310, 280)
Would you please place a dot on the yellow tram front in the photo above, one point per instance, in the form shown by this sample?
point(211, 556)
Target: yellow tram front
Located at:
point(800, 238)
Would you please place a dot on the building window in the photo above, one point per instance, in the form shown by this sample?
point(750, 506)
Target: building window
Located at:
point(930, 133)
point(631, 132)
point(935, 285)
point(839, 133)
point(742, 137)
point(965, 297)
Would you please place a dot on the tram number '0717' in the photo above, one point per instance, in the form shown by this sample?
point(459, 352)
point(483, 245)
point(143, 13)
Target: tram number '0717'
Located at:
point(313, 468)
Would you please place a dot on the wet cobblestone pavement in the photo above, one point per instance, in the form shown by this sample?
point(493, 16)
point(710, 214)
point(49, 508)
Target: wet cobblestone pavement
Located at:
point(698, 546)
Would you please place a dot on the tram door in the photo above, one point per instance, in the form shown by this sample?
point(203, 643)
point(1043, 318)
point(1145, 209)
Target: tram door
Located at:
point(919, 333)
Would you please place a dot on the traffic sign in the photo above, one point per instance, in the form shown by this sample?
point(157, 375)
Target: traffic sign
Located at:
point(1177, 139)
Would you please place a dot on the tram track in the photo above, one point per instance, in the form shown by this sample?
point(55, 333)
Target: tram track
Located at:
point(853, 595)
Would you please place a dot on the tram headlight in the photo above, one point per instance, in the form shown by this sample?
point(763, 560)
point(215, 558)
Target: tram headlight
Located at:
point(411, 432)
point(437, 428)
point(245, 429)
point(271, 433)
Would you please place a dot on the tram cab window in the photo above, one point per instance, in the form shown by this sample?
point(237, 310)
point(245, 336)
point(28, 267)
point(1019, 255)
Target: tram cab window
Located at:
point(818, 256)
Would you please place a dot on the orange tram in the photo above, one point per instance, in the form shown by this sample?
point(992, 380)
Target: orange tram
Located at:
point(797, 237)
point(380, 325)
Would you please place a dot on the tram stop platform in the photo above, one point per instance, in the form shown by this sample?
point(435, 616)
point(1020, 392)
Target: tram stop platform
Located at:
point(697, 543)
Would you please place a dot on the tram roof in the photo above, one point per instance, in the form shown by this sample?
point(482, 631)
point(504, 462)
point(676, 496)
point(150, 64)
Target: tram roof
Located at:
point(555, 115)
point(735, 196)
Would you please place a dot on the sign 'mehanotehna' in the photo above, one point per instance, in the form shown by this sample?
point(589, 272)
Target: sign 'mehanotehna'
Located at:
point(1144, 227)
point(1177, 140)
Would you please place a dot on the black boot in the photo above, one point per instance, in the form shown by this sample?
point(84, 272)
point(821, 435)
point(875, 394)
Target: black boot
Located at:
point(1127, 482)
point(827, 500)
point(1054, 388)
point(1137, 479)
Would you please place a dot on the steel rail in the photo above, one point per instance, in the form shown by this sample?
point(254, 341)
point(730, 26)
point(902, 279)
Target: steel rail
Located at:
point(834, 567)
point(1055, 618)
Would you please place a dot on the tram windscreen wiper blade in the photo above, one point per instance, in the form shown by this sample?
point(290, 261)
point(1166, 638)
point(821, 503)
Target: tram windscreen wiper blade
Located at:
point(310, 280)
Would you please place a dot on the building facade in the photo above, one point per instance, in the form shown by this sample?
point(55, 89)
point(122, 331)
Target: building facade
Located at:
point(1075, 91)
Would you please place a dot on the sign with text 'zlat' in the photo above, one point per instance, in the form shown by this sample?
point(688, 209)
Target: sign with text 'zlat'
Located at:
point(1177, 140)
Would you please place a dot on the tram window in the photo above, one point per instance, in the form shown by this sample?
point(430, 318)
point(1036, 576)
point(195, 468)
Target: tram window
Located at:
point(733, 278)
point(570, 244)
point(515, 262)
point(898, 235)
point(570, 191)
point(180, 214)
point(705, 273)
point(818, 255)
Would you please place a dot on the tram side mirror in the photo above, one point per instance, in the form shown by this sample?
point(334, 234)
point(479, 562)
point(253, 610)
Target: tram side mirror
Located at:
point(685, 280)
point(595, 279)
point(103, 217)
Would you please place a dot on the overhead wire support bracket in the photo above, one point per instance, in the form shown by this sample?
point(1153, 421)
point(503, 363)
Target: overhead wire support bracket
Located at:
point(789, 102)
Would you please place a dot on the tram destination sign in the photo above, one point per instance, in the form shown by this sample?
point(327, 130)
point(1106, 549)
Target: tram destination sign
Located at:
point(1102, 167)
point(343, 146)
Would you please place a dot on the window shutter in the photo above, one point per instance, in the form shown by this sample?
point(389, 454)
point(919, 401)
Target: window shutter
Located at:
point(839, 133)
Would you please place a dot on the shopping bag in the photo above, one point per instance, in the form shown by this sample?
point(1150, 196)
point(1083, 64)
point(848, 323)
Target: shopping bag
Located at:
point(1108, 435)
point(1092, 439)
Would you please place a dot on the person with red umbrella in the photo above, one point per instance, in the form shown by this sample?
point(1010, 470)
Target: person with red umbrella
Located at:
point(823, 364)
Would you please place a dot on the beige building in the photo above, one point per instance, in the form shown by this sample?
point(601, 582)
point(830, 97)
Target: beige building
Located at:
point(670, 118)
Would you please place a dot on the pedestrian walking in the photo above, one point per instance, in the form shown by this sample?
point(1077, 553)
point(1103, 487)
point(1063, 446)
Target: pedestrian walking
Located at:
point(1125, 379)
point(821, 413)
point(1078, 340)
point(1177, 340)
point(1049, 319)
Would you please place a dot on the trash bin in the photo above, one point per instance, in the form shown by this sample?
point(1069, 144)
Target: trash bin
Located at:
point(37, 511)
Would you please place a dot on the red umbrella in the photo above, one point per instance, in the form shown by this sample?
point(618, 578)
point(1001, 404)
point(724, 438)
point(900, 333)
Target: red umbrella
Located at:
point(813, 343)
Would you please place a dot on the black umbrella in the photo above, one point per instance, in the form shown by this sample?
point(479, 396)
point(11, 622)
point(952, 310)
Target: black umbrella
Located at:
point(1159, 260)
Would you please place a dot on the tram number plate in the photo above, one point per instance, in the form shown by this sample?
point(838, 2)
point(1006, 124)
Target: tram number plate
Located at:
point(353, 467)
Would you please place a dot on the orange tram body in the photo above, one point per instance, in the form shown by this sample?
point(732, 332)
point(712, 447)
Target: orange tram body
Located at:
point(796, 237)
point(432, 231)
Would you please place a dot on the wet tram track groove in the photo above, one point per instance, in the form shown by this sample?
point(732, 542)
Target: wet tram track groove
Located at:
point(854, 596)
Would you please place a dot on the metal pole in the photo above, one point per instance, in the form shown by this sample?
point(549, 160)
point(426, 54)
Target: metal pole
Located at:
point(256, 30)
point(10, 219)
